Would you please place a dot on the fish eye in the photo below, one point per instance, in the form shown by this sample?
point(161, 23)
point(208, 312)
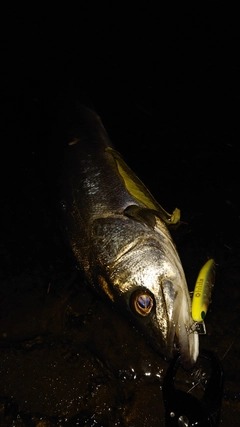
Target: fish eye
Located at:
point(142, 302)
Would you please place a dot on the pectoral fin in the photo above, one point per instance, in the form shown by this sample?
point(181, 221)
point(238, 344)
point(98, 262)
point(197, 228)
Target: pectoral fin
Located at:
point(138, 190)
point(143, 215)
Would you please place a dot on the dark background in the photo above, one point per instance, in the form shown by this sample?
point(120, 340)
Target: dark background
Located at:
point(165, 81)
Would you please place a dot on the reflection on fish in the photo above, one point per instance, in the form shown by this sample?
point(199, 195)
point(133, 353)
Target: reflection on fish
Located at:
point(119, 235)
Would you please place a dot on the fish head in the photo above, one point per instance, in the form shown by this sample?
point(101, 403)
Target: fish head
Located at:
point(158, 300)
point(144, 276)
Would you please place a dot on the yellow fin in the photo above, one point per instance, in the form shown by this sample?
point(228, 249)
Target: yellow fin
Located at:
point(140, 192)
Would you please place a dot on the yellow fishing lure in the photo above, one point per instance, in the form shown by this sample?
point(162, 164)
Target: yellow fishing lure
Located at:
point(203, 291)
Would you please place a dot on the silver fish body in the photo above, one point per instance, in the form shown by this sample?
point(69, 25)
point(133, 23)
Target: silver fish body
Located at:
point(119, 236)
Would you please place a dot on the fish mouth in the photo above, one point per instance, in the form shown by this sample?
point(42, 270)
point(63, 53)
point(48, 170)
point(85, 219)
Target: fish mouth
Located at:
point(180, 328)
point(188, 339)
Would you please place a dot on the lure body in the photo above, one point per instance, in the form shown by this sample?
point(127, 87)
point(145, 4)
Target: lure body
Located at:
point(203, 291)
point(119, 236)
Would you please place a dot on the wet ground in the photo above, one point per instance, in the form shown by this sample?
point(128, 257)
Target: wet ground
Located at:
point(66, 357)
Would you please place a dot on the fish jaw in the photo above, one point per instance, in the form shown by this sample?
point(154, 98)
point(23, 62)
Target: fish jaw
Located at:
point(181, 333)
point(187, 337)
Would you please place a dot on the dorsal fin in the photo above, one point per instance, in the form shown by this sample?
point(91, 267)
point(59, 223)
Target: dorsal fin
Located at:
point(140, 192)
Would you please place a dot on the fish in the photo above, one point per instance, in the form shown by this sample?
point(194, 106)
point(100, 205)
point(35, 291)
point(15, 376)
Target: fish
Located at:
point(119, 235)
